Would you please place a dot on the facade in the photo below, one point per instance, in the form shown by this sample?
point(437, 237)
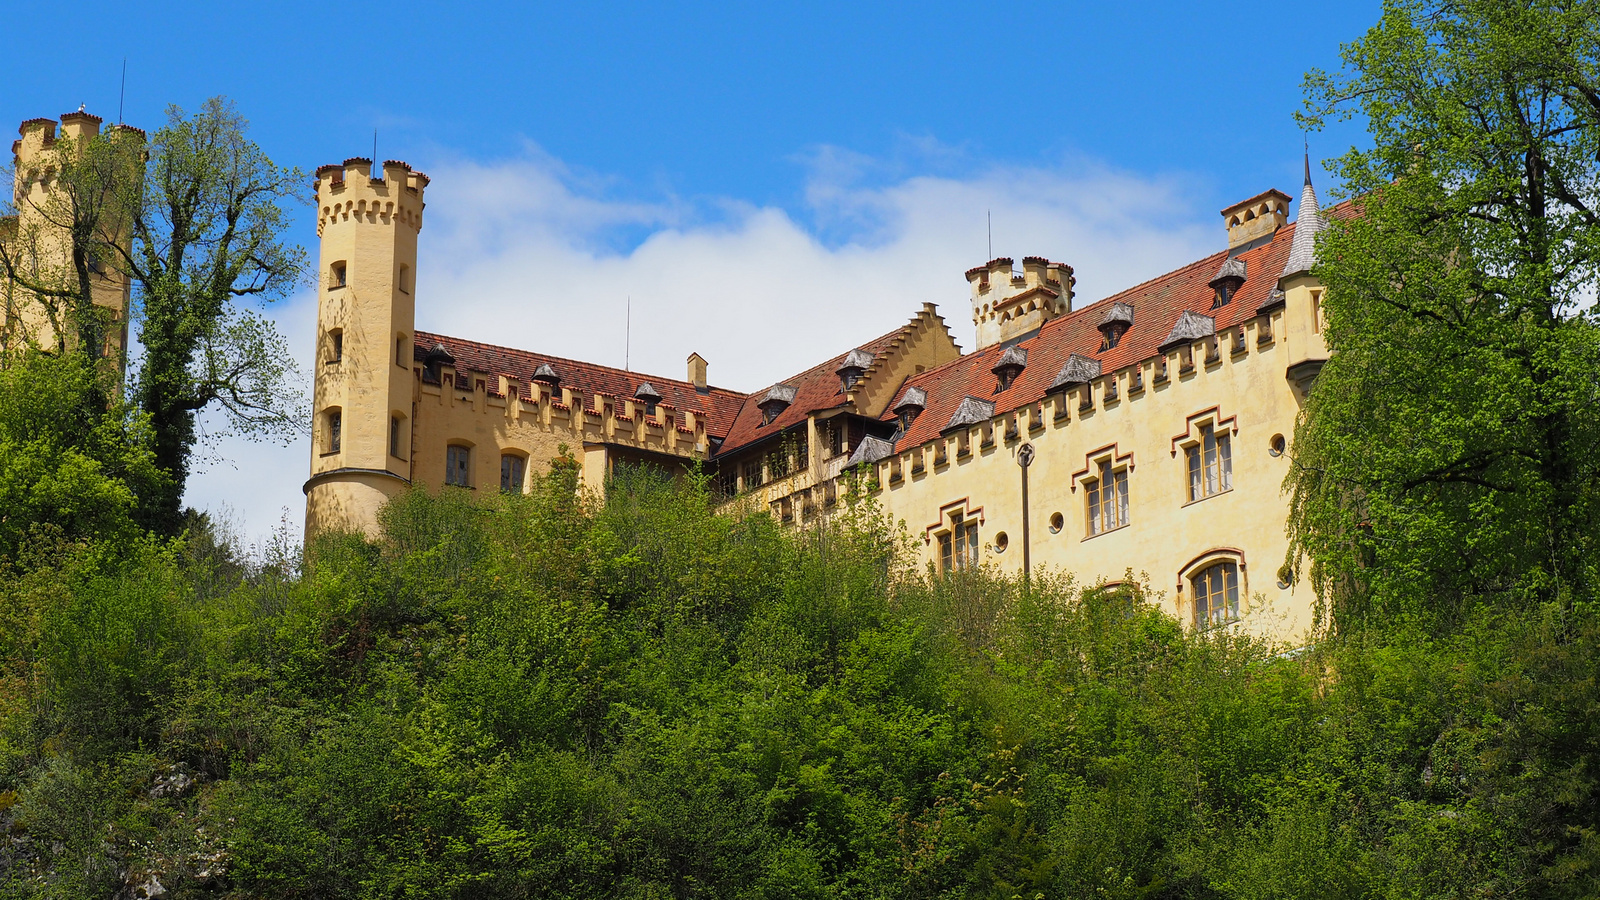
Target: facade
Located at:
point(1157, 420)
point(37, 243)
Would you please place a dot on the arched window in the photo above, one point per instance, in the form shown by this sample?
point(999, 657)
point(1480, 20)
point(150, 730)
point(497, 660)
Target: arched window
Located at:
point(512, 468)
point(335, 345)
point(1216, 594)
point(336, 275)
point(333, 436)
point(458, 465)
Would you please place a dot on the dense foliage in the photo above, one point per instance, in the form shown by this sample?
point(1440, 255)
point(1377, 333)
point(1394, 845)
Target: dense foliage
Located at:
point(1447, 456)
point(535, 697)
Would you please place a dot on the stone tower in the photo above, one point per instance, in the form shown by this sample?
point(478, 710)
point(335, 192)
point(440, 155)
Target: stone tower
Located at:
point(362, 402)
point(1007, 306)
point(42, 248)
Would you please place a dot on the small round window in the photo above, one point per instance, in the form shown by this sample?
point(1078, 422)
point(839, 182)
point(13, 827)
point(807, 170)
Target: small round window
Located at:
point(1001, 542)
point(1277, 445)
point(1056, 523)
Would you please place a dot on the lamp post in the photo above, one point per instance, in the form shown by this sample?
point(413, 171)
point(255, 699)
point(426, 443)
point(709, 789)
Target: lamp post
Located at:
point(1025, 459)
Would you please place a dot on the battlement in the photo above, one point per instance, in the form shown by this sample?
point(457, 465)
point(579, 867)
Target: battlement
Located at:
point(350, 190)
point(34, 149)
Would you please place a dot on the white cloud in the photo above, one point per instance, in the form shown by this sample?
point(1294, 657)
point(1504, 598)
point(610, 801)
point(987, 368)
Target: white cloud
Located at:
point(531, 253)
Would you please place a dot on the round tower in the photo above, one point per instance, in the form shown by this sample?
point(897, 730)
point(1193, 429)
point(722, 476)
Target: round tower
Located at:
point(362, 401)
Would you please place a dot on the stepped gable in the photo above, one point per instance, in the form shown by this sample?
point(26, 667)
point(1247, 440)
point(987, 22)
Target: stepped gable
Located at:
point(817, 388)
point(1157, 303)
point(716, 409)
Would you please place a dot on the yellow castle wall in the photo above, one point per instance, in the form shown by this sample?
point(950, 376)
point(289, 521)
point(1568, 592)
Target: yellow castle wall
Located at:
point(1167, 536)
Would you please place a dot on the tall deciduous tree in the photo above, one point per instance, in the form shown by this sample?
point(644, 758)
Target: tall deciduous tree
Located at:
point(1449, 451)
point(208, 236)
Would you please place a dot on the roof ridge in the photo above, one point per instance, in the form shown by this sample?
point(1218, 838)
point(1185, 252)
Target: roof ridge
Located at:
point(435, 337)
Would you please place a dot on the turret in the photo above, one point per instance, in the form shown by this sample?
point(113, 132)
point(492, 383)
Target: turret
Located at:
point(44, 248)
point(1007, 305)
point(1302, 294)
point(368, 224)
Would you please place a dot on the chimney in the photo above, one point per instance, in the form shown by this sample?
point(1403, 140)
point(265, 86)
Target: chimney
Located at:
point(697, 372)
point(1249, 221)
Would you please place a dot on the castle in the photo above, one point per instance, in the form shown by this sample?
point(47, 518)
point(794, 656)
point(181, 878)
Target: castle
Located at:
point(1155, 422)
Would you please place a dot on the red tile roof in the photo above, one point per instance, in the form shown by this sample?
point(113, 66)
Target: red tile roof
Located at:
point(716, 408)
point(1157, 305)
point(817, 388)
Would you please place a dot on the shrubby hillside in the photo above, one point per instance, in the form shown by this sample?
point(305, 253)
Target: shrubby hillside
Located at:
point(632, 697)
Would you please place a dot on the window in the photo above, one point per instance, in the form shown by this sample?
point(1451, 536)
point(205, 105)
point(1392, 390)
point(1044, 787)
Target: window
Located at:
point(1216, 595)
point(396, 448)
point(511, 469)
point(335, 345)
point(1108, 499)
point(1316, 311)
point(752, 474)
point(405, 279)
point(400, 352)
point(1210, 465)
point(802, 450)
point(835, 438)
point(958, 547)
point(335, 426)
point(457, 465)
point(650, 409)
point(336, 275)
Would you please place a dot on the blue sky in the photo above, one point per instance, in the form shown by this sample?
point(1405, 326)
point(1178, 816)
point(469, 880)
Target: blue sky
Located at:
point(726, 166)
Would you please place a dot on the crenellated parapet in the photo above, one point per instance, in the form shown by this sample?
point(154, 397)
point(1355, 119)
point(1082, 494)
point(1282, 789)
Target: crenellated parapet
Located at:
point(351, 191)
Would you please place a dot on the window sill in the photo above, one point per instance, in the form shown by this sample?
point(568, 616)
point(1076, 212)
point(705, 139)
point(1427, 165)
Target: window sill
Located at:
point(1108, 531)
point(329, 453)
point(1207, 497)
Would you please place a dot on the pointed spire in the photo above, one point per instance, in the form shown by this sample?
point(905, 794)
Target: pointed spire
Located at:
point(1303, 252)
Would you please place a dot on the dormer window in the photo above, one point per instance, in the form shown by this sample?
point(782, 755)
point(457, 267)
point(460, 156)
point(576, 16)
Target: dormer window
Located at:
point(437, 358)
point(1011, 364)
point(1114, 324)
point(776, 400)
point(649, 396)
point(911, 405)
point(855, 365)
point(1227, 281)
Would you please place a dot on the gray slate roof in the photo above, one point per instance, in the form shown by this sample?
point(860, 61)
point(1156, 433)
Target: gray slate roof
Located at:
point(1303, 251)
point(1232, 268)
point(972, 411)
point(855, 359)
point(1191, 326)
point(545, 373)
point(647, 391)
point(1013, 358)
point(914, 396)
point(1079, 369)
point(780, 393)
point(1119, 312)
point(870, 450)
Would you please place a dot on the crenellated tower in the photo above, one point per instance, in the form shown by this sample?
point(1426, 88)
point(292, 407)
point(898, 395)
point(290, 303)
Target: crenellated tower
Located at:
point(42, 247)
point(363, 408)
point(1007, 305)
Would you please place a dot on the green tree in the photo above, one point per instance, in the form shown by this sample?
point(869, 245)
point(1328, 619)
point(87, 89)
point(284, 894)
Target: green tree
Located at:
point(208, 235)
point(63, 239)
point(1448, 450)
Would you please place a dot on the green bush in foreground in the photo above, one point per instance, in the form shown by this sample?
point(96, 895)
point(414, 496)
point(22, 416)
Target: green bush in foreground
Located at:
point(638, 698)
